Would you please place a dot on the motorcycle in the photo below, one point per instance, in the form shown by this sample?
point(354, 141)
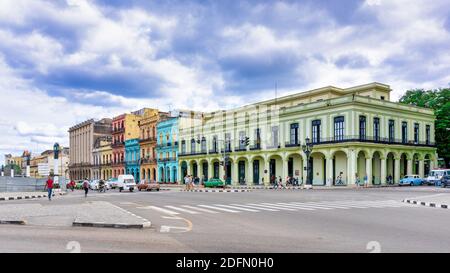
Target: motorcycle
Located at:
point(101, 187)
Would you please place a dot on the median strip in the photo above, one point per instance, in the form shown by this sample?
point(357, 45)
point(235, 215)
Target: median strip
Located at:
point(426, 204)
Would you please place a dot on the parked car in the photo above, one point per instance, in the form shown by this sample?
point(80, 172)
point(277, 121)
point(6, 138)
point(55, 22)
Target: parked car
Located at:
point(126, 182)
point(445, 181)
point(148, 186)
point(93, 185)
point(213, 183)
point(79, 185)
point(412, 180)
point(112, 183)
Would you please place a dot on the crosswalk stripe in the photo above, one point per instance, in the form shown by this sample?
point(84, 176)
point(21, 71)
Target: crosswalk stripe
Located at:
point(182, 210)
point(200, 209)
point(323, 205)
point(162, 210)
point(272, 207)
point(239, 208)
point(372, 204)
point(261, 208)
point(216, 208)
point(305, 205)
point(290, 207)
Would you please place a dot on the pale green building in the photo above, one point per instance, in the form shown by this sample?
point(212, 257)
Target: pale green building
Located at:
point(355, 131)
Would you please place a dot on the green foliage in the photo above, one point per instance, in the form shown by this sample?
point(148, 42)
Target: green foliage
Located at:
point(439, 101)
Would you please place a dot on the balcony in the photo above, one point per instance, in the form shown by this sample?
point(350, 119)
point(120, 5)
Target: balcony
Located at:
point(214, 151)
point(240, 149)
point(371, 139)
point(148, 160)
point(132, 162)
point(170, 159)
point(192, 153)
point(117, 144)
point(289, 144)
point(148, 139)
point(255, 146)
point(118, 130)
point(274, 146)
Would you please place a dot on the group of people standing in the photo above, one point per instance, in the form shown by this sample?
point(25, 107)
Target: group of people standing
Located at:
point(190, 181)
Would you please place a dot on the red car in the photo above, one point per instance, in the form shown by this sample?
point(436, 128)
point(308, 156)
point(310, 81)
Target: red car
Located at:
point(148, 186)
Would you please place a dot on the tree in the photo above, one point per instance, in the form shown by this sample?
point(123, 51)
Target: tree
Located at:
point(439, 101)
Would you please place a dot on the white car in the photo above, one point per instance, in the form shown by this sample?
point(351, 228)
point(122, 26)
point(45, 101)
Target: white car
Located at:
point(93, 185)
point(126, 182)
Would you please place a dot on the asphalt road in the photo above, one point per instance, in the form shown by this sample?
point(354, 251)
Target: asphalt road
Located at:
point(335, 220)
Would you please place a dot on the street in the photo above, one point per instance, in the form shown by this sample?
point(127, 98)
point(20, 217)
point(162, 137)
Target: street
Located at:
point(318, 220)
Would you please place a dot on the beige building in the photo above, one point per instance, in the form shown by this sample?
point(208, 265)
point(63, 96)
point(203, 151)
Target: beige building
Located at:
point(102, 155)
point(82, 139)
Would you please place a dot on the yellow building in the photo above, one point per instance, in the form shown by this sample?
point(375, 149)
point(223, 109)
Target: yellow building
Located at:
point(147, 142)
point(102, 156)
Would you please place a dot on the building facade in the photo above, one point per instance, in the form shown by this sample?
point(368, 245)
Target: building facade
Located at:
point(167, 150)
point(147, 127)
point(132, 158)
point(82, 139)
point(102, 155)
point(355, 132)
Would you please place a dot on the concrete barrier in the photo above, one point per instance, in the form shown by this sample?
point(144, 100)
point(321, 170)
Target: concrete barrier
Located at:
point(21, 184)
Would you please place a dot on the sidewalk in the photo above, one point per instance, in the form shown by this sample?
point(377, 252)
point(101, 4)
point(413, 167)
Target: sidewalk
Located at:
point(88, 214)
point(441, 200)
point(6, 196)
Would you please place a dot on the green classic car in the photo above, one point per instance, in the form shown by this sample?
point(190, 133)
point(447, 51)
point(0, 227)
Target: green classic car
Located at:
point(214, 183)
point(79, 185)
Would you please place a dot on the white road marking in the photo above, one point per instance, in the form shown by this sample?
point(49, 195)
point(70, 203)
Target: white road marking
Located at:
point(252, 207)
point(271, 207)
point(305, 205)
point(200, 209)
point(159, 209)
point(181, 209)
point(289, 206)
point(221, 209)
point(239, 208)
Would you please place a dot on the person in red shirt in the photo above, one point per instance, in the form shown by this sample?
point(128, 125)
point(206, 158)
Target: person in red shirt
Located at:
point(49, 187)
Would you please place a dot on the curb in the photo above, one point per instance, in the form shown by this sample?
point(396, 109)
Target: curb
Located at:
point(116, 225)
point(426, 204)
point(232, 190)
point(12, 222)
point(8, 198)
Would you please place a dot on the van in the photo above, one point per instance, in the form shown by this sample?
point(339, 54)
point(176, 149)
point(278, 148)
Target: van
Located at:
point(126, 182)
point(435, 176)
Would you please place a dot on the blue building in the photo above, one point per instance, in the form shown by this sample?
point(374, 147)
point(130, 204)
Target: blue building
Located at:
point(167, 150)
point(132, 158)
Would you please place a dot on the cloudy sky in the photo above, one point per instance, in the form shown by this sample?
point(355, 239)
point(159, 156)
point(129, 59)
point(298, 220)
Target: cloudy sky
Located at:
point(64, 61)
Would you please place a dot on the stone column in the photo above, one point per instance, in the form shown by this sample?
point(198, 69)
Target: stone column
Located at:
point(351, 167)
point(421, 167)
point(304, 171)
point(285, 170)
point(329, 174)
point(383, 171)
point(396, 169)
point(266, 175)
point(249, 174)
point(210, 169)
point(189, 169)
point(369, 170)
point(409, 166)
point(235, 173)
point(180, 178)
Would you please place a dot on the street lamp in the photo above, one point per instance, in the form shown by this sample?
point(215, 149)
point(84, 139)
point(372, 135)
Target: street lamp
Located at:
point(307, 149)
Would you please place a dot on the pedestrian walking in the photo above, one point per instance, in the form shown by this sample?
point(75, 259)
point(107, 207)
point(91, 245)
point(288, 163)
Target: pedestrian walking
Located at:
point(366, 181)
point(49, 187)
point(86, 187)
point(186, 182)
point(357, 180)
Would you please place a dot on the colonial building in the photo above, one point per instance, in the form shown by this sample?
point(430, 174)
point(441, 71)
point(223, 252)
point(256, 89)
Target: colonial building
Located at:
point(167, 150)
point(82, 139)
point(354, 132)
point(125, 127)
point(147, 142)
point(132, 158)
point(102, 154)
point(44, 164)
